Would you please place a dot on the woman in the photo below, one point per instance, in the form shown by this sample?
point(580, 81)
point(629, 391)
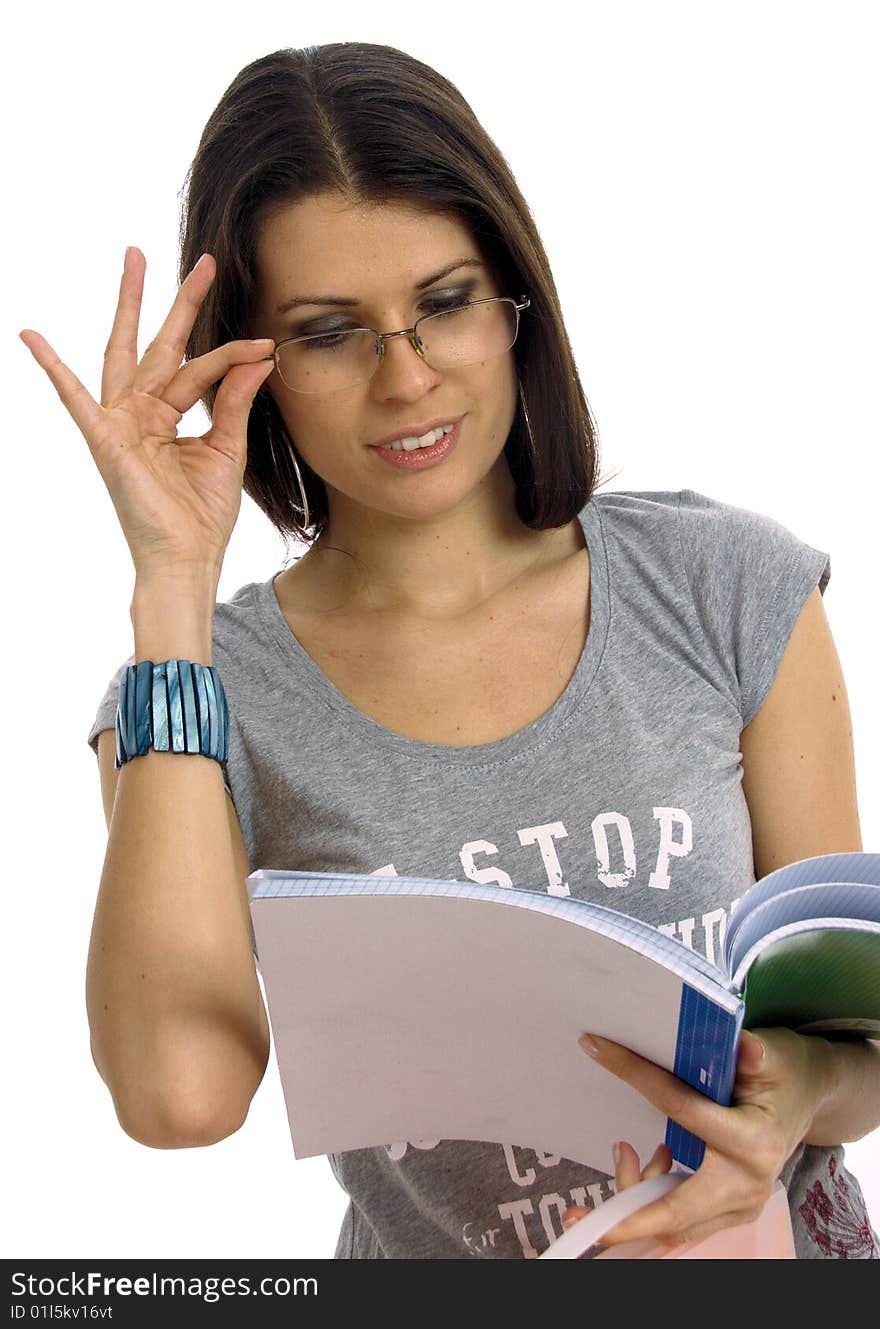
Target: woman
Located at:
point(480, 665)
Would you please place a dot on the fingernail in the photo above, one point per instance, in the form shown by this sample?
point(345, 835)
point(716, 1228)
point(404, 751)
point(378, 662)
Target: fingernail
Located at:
point(615, 1154)
point(589, 1045)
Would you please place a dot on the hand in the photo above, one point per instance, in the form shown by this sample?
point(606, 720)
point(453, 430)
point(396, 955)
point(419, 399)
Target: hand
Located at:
point(177, 498)
point(781, 1081)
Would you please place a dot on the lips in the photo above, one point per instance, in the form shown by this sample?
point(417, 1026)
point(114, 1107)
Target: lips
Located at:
point(415, 431)
point(427, 440)
point(419, 459)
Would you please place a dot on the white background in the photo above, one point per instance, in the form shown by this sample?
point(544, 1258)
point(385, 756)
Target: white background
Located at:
point(704, 178)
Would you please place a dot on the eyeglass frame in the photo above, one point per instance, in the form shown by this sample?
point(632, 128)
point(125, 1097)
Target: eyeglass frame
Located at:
point(382, 337)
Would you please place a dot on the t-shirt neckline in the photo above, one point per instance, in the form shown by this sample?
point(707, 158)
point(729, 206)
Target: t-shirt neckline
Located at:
point(359, 725)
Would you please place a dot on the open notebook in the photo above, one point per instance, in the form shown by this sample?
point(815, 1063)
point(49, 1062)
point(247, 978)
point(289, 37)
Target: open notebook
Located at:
point(391, 1011)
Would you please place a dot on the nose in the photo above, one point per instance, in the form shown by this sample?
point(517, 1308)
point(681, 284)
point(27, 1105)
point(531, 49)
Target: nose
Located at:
point(402, 372)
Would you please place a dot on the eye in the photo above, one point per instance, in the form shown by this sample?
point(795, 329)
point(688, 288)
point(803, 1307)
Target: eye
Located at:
point(433, 302)
point(438, 301)
point(320, 341)
point(435, 306)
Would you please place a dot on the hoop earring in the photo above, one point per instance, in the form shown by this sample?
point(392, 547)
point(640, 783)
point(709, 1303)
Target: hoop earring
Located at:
point(522, 398)
point(300, 528)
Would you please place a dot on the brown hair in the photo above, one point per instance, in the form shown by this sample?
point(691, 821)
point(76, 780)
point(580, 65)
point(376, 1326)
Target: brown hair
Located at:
point(379, 126)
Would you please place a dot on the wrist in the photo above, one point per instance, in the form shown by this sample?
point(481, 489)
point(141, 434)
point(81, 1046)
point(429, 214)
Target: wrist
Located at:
point(850, 1105)
point(189, 584)
point(823, 1081)
point(173, 619)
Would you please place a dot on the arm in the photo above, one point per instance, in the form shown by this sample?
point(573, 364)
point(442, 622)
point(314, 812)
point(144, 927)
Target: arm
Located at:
point(799, 783)
point(178, 1028)
point(851, 1105)
point(797, 754)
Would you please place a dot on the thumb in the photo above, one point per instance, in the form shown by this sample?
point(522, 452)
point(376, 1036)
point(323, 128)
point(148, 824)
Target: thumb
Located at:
point(233, 403)
point(750, 1060)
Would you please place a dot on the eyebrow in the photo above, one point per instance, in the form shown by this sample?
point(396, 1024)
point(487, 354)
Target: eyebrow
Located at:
point(294, 300)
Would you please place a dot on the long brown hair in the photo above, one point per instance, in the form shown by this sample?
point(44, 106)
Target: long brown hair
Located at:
point(376, 124)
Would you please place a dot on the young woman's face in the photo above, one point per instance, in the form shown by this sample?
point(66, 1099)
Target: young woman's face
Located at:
point(378, 257)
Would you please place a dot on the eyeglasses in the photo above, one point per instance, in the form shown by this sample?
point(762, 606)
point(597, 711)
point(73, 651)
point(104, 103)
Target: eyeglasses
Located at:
point(454, 338)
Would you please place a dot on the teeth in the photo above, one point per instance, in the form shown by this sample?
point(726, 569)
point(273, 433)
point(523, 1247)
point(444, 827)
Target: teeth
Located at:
point(426, 441)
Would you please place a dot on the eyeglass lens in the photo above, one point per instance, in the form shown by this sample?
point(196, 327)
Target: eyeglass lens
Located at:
point(451, 339)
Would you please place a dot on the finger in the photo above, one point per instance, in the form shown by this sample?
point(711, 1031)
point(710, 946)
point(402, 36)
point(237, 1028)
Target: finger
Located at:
point(661, 1218)
point(191, 382)
point(698, 1204)
point(718, 1126)
point(120, 356)
point(659, 1163)
point(228, 432)
point(626, 1173)
point(750, 1058)
point(82, 406)
point(162, 358)
point(626, 1166)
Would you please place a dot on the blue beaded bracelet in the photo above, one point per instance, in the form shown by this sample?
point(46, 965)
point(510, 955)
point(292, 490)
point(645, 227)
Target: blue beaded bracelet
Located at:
point(176, 706)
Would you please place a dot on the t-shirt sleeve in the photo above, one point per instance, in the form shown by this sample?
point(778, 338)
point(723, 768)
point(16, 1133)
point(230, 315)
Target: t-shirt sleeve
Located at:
point(749, 577)
point(106, 713)
point(105, 717)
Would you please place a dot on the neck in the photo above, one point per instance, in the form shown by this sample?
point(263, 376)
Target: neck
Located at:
point(439, 567)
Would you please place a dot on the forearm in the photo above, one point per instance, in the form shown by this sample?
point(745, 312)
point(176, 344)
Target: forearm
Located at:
point(178, 1028)
point(850, 1106)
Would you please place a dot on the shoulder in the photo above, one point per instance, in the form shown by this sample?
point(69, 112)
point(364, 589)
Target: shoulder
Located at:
point(243, 603)
point(241, 619)
point(701, 515)
point(745, 547)
point(248, 647)
point(641, 518)
point(716, 540)
point(693, 511)
point(638, 529)
point(630, 505)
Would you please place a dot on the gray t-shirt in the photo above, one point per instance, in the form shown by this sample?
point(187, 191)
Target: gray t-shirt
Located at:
point(627, 792)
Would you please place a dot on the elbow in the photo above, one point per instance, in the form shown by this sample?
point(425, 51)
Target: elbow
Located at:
point(182, 1105)
point(178, 1126)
